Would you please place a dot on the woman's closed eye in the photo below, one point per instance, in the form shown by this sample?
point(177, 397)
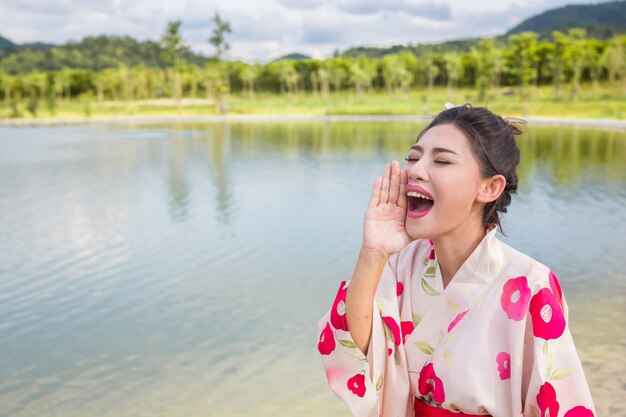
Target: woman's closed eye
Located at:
point(438, 161)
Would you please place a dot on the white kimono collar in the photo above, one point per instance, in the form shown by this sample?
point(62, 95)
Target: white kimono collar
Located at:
point(482, 265)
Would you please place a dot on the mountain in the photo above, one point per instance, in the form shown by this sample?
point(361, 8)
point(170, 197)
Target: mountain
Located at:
point(5, 43)
point(602, 20)
point(37, 45)
point(459, 45)
point(294, 56)
point(8, 44)
point(92, 52)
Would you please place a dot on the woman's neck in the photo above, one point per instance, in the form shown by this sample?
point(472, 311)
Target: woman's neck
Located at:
point(454, 247)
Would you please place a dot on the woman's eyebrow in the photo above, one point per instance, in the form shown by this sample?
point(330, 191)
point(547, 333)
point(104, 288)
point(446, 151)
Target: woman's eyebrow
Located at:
point(435, 150)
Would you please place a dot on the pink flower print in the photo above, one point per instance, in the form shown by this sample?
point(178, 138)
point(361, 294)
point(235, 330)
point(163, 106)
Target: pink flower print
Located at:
point(504, 365)
point(546, 400)
point(548, 319)
point(431, 256)
point(389, 351)
point(393, 327)
point(429, 383)
point(456, 320)
point(338, 311)
point(356, 384)
point(431, 242)
point(399, 288)
point(556, 287)
point(515, 296)
point(579, 411)
point(326, 343)
point(407, 328)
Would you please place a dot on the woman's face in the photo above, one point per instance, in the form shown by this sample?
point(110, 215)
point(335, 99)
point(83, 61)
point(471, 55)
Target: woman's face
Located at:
point(443, 164)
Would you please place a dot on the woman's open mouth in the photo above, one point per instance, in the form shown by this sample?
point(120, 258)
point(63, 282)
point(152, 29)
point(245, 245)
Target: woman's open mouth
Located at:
point(418, 204)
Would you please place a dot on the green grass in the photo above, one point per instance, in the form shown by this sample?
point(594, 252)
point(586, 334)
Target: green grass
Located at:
point(606, 103)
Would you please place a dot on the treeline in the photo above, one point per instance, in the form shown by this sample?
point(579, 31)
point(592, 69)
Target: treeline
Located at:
point(92, 53)
point(522, 61)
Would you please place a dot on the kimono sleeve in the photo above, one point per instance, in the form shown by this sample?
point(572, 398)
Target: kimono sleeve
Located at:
point(555, 381)
point(373, 384)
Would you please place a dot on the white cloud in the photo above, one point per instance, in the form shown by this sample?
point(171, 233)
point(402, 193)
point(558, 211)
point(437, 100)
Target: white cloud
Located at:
point(431, 10)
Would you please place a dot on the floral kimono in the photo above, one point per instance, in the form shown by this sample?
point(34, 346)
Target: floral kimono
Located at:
point(494, 342)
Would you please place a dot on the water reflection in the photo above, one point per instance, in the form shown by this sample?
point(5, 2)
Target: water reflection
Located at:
point(184, 267)
point(177, 184)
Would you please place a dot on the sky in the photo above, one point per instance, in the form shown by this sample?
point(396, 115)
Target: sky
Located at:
point(263, 30)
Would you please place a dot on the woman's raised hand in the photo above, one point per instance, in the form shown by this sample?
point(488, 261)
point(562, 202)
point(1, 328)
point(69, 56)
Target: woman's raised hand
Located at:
point(384, 231)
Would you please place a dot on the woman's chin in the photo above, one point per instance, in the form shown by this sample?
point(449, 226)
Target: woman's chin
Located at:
point(416, 231)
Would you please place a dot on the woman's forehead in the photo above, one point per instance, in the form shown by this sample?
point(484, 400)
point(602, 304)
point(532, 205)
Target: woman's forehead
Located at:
point(444, 136)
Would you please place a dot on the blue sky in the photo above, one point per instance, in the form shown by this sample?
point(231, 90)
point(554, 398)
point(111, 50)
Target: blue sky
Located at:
point(264, 30)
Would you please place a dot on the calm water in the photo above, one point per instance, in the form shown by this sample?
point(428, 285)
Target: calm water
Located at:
point(180, 270)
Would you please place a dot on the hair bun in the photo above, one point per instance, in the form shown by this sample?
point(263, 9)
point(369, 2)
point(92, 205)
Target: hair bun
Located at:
point(516, 126)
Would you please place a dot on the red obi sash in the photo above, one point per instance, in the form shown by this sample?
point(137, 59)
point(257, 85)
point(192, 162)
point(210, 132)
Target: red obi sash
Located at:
point(424, 410)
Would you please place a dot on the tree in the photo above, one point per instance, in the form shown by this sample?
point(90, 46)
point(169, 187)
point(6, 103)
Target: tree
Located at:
point(395, 73)
point(592, 61)
point(574, 55)
point(323, 77)
point(362, 72)
point(561, 42)
point(484, 62)
point(248, 76)
point(221, 46)
point(218, 40)
point(172, 43)
point(430, 70)
point(614, 59)
point(453, 69)
point(523, 60)
point(338, 72)
point(288, 76)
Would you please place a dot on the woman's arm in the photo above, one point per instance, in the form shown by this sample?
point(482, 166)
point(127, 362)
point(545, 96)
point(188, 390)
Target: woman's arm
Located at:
point(384, 234)
point(360, 296)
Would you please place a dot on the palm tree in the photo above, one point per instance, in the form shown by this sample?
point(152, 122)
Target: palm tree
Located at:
point(218, 40)
point(172, 43)
point(221, 46)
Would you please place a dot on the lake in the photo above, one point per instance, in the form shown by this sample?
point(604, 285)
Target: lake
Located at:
point(181, 269)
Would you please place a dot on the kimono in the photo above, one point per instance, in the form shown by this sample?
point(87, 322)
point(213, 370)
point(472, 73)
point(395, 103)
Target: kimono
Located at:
point(494, 342)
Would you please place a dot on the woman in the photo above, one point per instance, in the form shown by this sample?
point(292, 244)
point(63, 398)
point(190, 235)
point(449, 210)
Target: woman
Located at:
point(440, 317)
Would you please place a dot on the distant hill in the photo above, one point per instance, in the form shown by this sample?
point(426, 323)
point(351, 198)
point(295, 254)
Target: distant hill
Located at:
point(602, 20)
point(5, 43)
point(8, 44)
point(93, 53)
point(460, 45)
point(295, 56)
point(38, 45)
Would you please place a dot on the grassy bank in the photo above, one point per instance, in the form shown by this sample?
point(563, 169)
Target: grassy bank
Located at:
point(604, 103)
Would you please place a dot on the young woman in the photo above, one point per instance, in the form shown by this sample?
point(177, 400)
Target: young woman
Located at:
point(440, 317)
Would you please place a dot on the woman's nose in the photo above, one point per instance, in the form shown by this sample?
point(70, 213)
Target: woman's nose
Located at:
point(417, 171)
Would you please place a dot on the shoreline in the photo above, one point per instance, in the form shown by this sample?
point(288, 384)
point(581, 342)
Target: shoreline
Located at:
point(538, 121)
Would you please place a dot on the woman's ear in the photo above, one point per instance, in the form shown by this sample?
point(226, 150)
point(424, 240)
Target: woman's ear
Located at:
point(491, 188)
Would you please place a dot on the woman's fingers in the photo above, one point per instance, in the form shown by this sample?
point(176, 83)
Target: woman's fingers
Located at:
point(375, 192)
point(394, 186)
point(384, 191)
point(404, 178)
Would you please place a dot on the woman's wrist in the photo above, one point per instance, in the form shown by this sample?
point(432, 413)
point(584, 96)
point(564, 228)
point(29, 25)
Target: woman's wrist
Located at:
point(372, 257)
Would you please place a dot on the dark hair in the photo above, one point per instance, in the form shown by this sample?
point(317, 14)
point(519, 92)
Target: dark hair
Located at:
point(492, 143)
